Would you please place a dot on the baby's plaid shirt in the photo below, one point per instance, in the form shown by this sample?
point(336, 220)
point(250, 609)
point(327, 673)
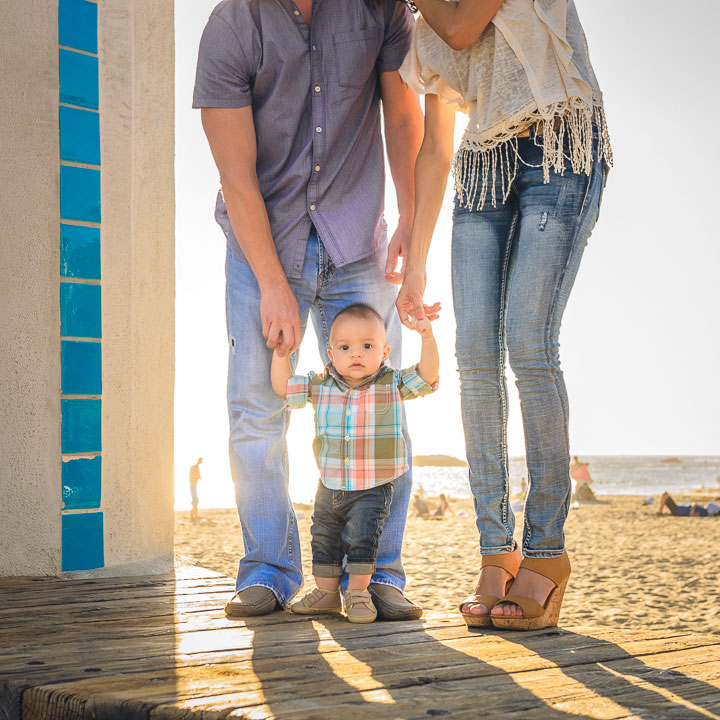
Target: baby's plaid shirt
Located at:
point(359, 441)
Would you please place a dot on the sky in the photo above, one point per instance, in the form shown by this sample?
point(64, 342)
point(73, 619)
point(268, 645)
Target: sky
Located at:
point(640, 343)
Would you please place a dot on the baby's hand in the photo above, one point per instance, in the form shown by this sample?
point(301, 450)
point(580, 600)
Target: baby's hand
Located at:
point(424, 327)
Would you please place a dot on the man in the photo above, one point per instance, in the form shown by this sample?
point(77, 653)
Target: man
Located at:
point(290, 95)
point(194, 478)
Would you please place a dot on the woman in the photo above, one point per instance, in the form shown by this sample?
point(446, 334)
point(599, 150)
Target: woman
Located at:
point(529, 174)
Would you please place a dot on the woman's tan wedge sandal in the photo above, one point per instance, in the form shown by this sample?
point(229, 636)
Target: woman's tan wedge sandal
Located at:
point(510, 562)
point(536, 616)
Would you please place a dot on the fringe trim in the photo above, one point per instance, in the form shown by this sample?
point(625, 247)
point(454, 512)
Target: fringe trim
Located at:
point(481, 159)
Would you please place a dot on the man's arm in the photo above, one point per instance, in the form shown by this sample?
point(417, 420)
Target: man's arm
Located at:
point(403, 137)
point(431, 174)
point(231, 134)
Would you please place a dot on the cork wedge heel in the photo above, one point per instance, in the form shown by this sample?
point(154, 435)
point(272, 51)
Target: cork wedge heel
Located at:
point(510, 562)
point(535, 615)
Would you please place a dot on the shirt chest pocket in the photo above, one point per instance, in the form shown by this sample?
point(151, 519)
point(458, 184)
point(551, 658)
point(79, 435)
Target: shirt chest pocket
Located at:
point(383, 409)
point(356, 54)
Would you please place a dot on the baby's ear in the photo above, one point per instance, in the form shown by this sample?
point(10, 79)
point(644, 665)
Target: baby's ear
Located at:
point(330, 354)
point(386, 352)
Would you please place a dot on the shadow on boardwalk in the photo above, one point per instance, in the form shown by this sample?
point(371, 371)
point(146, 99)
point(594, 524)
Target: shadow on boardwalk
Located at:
point(416, 670)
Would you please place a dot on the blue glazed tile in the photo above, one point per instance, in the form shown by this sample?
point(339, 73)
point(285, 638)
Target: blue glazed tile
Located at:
point(81, 368)
point(78, 79)
point(80, 310)
point(81, 483)
point(77, 25)
point(80, 252)
point(79, 136)
point(79, 194)
point(82, 541)
point(81, 426)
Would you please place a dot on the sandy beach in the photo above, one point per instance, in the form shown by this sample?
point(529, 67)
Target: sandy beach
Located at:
point(631, 568)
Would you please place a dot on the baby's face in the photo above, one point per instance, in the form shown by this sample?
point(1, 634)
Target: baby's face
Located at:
point(358, 347)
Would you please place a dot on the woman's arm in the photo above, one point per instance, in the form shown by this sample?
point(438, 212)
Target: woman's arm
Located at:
point(459, 23)
point(280, 373)
point(431, 173)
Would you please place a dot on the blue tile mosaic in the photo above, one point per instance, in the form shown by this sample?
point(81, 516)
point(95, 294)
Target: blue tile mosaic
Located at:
point(79, 194)
point(78, 79)
point(82, 541)
point(80, 311)
point(80, 252)
point(81, 368)
point(81, 426)
point(79, 135)
point(77, 25)
point(81, 481)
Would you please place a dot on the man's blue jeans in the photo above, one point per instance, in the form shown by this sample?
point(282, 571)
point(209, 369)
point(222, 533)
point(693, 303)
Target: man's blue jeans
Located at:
point(259, 422)
point(513, 267)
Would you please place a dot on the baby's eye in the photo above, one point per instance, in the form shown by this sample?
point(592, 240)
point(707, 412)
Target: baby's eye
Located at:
point(344, 347)
point(367, 346)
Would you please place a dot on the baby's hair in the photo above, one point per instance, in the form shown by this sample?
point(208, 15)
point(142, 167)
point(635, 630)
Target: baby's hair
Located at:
point(359, 310)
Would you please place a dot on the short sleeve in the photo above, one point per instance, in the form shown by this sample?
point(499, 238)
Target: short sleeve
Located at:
point(431, 67)
point(224, 73)
point(298, 392)
point(410, 385)
point(398, 31)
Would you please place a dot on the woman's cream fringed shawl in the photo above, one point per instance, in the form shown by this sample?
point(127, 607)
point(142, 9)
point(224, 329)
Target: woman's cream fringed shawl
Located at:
point(529, 66)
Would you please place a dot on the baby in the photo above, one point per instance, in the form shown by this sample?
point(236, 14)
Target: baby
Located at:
point(360, 450)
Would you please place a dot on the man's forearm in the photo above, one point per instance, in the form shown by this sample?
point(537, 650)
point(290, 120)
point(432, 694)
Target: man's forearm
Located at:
point(403, 137)
point(403, 143)
point(251, 227)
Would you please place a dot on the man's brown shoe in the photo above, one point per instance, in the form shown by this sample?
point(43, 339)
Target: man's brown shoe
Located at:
point(252, 601)
point(391, 604)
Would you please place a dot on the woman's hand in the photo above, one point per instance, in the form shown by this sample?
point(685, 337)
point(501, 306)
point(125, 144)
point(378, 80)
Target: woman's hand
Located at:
point(409, 302)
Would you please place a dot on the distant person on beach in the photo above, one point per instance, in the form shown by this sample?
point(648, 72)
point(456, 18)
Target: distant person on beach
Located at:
point(529, 175)
point(693, 510)
point(581, 479)
point(194, 478)
point(291, 110)
point(360, 450)
point(418, 507)
point(443, 507)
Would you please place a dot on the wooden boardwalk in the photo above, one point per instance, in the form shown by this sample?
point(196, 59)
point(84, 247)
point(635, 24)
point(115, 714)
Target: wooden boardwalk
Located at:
point(162, 648)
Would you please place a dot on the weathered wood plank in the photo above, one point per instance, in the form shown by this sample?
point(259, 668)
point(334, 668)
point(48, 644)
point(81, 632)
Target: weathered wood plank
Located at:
point(163, 649)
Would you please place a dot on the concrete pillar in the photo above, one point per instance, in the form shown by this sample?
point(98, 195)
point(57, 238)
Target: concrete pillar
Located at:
point(87, 287)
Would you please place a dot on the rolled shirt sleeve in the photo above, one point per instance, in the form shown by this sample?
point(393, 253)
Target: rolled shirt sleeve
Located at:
point(298, 392)
point(224, 72)
point(410, 385)
point(398, 32)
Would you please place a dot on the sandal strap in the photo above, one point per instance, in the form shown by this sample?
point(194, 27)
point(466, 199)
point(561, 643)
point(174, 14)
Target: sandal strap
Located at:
point(557, 570)
point(530, 608)
point(489, 601)
point(510, 562)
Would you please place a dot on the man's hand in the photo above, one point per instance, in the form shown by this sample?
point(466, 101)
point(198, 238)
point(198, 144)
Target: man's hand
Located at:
point(280, 316)
point(397, 250)
point(409, 302)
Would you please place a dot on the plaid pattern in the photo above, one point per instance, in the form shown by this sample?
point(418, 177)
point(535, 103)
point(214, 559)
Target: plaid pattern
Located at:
point(359, 442)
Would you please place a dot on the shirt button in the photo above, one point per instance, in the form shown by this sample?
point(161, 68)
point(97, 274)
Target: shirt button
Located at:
point(317, 168)
point(347, 460)
point(318, 129)
point(347, 412)
point(314, 48)
point(347, 437)
point(312, 207)
point(317, 88)
point(297, 12)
